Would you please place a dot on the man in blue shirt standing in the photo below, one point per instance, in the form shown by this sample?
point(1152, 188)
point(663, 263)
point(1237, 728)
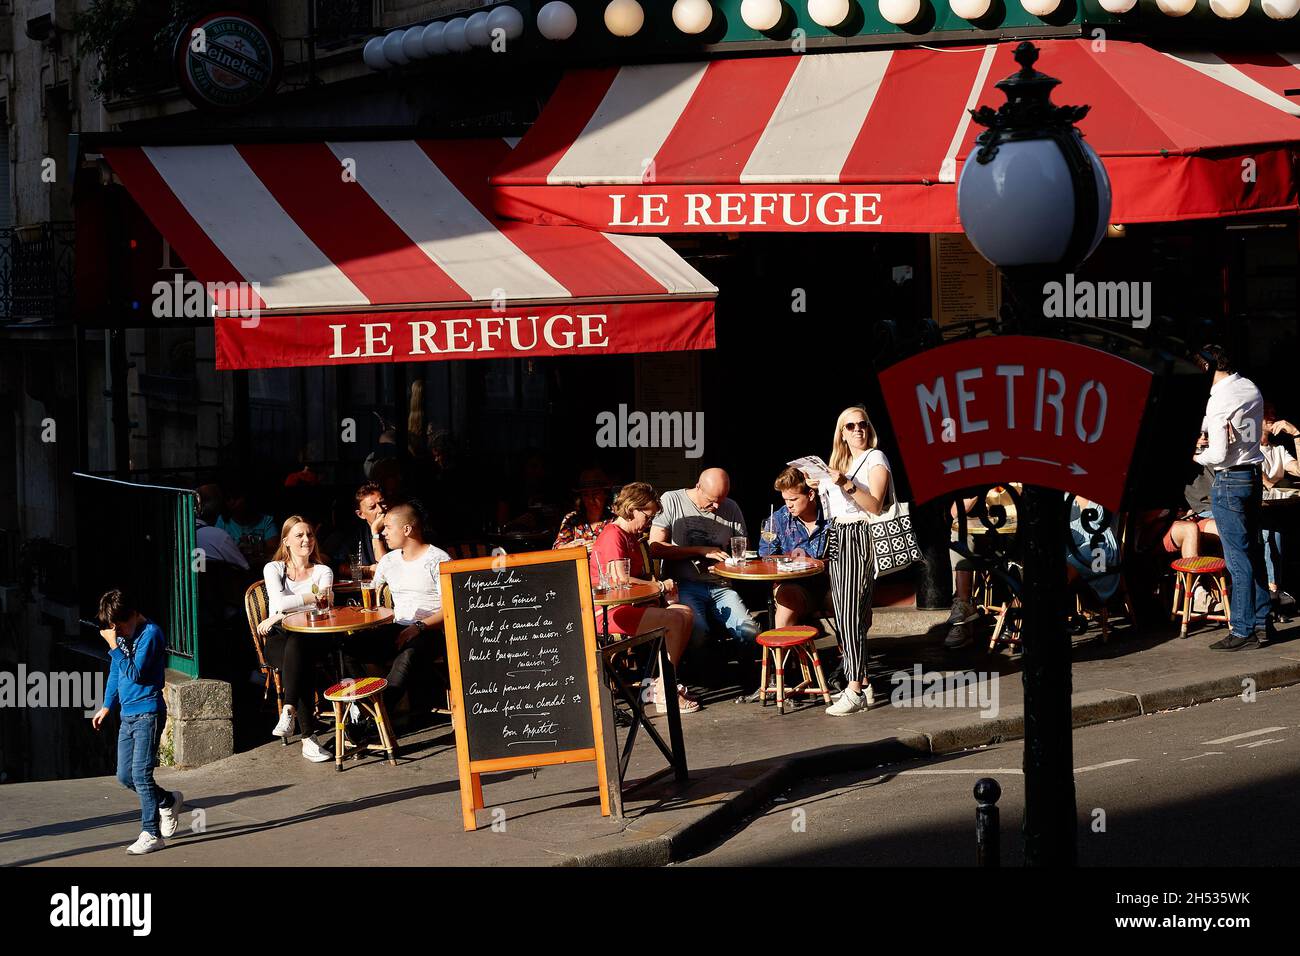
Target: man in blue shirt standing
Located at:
point(800, 529)
point(138, 661)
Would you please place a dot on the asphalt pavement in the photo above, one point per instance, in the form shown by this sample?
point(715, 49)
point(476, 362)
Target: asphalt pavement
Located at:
point(1213, 785)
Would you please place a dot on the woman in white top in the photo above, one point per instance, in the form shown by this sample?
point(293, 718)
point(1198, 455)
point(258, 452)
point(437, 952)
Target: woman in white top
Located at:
point(293, 578)
point(860, 476)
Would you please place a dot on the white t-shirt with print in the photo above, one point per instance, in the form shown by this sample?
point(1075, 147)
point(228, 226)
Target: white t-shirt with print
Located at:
point(415, 585)
point(839, 502)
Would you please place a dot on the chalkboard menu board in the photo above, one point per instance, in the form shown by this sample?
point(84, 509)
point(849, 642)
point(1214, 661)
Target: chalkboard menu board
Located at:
point(521, 652)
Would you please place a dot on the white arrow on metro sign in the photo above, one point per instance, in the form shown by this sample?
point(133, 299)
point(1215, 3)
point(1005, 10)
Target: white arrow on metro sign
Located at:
point(1016, 408)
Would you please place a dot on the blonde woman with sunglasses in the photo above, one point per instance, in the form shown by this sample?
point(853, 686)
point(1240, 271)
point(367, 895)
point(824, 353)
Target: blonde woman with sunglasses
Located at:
point(859, 479)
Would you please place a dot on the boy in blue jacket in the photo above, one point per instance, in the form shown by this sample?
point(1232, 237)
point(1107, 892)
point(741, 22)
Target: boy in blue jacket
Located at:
point(138, 655)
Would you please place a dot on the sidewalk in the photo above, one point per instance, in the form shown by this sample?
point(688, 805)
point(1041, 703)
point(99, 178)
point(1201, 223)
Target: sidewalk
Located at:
point(270, 807)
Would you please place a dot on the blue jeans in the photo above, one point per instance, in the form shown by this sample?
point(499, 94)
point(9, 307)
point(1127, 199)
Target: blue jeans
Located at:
point(137, 755)
point(1272, 553)
point(717, 604)
point(1235, 500)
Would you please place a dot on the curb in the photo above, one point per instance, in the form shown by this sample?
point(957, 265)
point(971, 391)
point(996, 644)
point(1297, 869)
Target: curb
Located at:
point(731, 798)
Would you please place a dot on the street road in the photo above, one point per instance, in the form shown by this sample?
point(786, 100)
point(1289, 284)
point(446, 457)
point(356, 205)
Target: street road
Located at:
point(1215, 784)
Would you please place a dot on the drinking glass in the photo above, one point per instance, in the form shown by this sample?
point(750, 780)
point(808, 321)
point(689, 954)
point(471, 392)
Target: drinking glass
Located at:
point(768, 534)
point(738, 547)
point(620, 572)
point(367, 595)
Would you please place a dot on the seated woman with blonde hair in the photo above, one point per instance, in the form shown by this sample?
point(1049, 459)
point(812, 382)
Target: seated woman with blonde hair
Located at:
point(634, 508)
point(293, 578)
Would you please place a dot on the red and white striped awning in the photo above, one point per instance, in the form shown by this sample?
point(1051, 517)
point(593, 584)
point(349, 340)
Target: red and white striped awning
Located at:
point(347, 252)
point(875, 140)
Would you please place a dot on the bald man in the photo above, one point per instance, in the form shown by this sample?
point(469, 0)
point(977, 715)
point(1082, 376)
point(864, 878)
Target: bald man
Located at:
point(692, 530)
point(411, 570)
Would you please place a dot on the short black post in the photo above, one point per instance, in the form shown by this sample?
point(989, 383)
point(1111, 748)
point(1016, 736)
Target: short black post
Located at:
point(987, 835)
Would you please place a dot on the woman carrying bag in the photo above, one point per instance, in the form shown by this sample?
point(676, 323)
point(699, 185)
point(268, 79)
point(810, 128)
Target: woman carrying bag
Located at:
point(860, 476)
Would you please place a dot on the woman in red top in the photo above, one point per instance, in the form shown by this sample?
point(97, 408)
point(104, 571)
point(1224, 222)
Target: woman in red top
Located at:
point(634, 508)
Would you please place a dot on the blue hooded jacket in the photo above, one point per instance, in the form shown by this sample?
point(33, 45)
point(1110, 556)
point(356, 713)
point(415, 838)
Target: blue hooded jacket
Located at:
point(137, 672)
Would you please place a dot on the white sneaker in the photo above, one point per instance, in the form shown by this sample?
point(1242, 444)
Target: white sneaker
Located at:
point(849, 703)
point(314, 752)
point(285, 727)
point(169, 817)
point(145, 843)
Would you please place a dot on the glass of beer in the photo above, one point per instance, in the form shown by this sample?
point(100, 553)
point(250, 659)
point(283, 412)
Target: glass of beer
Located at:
point(367, 595)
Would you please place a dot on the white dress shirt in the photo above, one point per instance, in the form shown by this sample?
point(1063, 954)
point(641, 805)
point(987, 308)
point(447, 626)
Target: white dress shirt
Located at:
point(1236, 402)
point(218, 545)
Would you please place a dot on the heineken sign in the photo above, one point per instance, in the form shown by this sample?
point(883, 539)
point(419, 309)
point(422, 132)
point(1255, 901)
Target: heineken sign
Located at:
point(227, 61)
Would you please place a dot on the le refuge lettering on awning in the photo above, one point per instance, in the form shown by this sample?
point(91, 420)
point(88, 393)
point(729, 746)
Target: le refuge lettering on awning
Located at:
point(330, 253)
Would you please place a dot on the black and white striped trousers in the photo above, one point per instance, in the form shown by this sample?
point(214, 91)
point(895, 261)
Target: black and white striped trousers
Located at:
point(852, 581)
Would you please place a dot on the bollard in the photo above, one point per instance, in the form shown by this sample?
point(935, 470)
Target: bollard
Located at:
point(987, 841)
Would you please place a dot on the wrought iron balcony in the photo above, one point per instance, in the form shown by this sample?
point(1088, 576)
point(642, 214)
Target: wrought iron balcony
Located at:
point(36, 273)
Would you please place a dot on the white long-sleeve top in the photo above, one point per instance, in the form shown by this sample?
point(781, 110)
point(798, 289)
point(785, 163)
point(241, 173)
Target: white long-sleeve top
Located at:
point(285, 596)
point(1234, 401)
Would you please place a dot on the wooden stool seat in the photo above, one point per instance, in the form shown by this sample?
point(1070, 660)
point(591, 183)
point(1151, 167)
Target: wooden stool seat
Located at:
point(350, 691)
point(787, 636)
point(368, 694)
point(778, 643)
point(1209, 565)
point(1187, 572)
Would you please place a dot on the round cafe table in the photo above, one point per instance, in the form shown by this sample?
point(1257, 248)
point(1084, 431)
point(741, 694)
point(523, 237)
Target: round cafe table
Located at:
point(342, 622)
point(766, 569)
point(626, 594)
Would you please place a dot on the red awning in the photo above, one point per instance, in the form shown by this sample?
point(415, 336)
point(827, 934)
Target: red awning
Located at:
point(874, 140)
point(351, 252)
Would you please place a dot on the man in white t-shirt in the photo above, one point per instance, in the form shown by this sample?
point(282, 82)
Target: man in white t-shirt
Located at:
point(410, 568)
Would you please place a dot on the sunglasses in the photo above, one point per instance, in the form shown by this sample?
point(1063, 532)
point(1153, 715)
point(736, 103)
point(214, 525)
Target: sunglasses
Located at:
point(855, 426)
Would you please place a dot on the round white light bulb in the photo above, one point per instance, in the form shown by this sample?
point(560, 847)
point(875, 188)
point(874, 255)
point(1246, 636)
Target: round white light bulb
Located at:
point(1118, 6)
point(1176, 8)
point(761, 14)
point(557, 20)
point(393, 48)
point(1229, 9)
point(476, 29)
point(828, 13)
point(624, 18)
point(454, 36)
point(900, 12)
point(413, 43)
point(1281, 9)
point(373, 54)
point(692, 16)
point(972, 9)
point(1040, 8)
point(508, 20)
point(434, 44)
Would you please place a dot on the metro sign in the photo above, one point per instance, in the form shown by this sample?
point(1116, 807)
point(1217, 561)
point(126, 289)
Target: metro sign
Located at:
point(998, 409)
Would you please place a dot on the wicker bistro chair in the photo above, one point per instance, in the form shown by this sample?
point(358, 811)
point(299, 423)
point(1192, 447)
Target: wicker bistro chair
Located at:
point(257, 609)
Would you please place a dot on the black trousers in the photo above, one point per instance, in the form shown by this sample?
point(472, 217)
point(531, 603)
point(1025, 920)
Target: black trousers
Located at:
point(295, 656)
point(412, 666)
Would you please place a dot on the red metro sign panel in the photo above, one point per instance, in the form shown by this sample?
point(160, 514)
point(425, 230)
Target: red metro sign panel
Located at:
point(1009, 408)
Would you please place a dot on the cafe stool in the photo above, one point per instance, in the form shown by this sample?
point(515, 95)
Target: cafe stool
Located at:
point(1187, 573)
point(368, 694)
point(778, 643)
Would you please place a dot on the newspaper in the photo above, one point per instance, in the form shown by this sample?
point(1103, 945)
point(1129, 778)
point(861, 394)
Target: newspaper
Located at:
point(812, 467)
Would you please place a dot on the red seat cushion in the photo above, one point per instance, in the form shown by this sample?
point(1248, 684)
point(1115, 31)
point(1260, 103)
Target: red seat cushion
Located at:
point(360, 689)
point(787, 636)
point(1200, 565)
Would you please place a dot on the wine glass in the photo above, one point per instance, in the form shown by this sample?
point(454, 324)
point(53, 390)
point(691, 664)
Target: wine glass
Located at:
point(768, 534)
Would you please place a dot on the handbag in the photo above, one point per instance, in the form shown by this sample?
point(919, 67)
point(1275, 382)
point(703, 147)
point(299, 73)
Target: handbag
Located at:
point(893, 540)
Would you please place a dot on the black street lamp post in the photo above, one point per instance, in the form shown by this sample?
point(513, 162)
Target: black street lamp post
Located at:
point(1034, 199)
